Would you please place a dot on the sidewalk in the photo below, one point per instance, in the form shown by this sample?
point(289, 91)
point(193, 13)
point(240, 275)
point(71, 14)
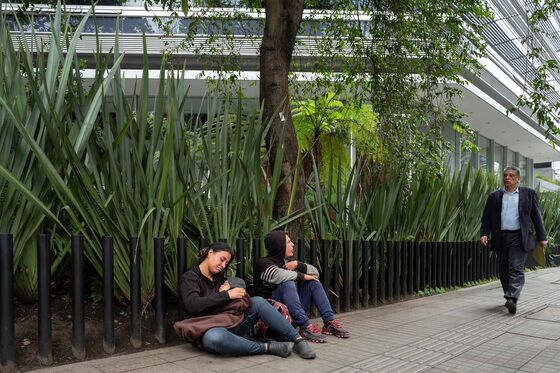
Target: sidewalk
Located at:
point(468, 330)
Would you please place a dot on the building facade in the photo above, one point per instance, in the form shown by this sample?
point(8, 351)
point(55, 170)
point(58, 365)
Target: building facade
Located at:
point(502, 138)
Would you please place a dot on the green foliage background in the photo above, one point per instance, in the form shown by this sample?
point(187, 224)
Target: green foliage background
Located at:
point(76, 160)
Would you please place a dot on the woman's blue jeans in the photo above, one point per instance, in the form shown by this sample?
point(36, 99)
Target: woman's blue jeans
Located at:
point(299, 298)
point(232, 342)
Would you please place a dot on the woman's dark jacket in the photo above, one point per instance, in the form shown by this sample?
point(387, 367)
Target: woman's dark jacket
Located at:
point(200, 295)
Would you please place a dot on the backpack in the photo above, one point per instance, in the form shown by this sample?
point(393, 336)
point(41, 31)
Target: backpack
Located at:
point(261, 330)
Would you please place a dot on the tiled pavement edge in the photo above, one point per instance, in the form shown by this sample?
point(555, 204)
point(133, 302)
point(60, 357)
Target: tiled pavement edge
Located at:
point(467, 330)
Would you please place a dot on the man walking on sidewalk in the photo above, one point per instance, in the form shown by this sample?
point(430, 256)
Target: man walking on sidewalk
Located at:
point(506, 220)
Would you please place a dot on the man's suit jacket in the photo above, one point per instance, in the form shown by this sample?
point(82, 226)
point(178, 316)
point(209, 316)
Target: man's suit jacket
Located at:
point(529, 211)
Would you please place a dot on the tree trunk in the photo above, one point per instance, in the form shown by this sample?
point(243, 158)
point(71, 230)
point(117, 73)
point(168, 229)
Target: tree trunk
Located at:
point(283, 18)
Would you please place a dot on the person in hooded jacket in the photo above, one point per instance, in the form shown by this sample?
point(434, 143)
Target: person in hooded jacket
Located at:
point(295, 284)
point(205, 291)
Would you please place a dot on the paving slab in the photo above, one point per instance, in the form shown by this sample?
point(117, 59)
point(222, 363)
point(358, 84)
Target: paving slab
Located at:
point(549, 313)
point(465, 330)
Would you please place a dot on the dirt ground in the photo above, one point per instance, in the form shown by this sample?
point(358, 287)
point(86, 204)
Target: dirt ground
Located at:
point(26, 332)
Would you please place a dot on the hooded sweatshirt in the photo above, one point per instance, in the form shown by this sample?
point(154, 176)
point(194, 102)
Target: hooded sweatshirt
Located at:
point(200, 295)
point(270, 272)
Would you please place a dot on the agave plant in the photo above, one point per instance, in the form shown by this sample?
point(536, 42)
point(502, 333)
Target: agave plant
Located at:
point(33, 89)
point(550, 209)
point(53, 121)
point(230, 185)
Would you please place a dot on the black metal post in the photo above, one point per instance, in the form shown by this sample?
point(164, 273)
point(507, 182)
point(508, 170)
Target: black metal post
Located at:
point(382, 266)
point(445, 264)
point(78, 325)
point(44, 308)
point(422, 267)
point(439, 264)
point(404, 268)
point(454, 252)
point(336, 276)
point(390, 269)
point(439, 268)
point(355, 274)
point(431, 265)
point(135, 294)
point(475, 259)
point(398, 270)
point(463, 264)
point(446, 270)
point(158, 287)
point(449, 264)
point(301, 250)
point(108, 291)
point(366, 274)
point(452, 264)
point(450, 268)
point(466, 263)
point(477, 256)
point(240, 254)
point(411, 268)
point(202, 243)
point(256, 256)
point(345, 275)
point(7, 328)
point(471, 262)
point(459, 250)
point(313, 257)
point(459, 262)
point(181, 265)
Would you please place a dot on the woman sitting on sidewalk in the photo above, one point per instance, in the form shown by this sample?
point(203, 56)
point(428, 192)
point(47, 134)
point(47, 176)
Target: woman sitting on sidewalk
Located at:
point(219, 316)
point(296, 285)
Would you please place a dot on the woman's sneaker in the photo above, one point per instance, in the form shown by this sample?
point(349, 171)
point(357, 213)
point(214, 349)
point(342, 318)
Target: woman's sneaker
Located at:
point(302, 348)
point(334, 327)
point(313, 334)
point(282, 349)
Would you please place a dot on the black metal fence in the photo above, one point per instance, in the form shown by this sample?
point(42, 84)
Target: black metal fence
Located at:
point(354, 273)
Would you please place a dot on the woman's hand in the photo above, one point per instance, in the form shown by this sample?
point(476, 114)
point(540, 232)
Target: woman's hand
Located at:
point(236, 293)
point(291, 265)
point(225, 286)
point(307, 277)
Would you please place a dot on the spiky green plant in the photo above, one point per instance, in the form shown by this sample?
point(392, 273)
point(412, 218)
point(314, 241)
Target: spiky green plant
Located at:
point(550, 209)
point(33, 88)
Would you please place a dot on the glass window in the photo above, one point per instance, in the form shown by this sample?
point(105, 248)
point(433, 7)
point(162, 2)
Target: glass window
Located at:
point(511, 158)
point(498, 158)
point(466, 156)
point(448, 135)
point(450, 160)
point(483, 151)
point(523, 168)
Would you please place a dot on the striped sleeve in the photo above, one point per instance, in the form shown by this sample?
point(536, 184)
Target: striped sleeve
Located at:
point(276, 275)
